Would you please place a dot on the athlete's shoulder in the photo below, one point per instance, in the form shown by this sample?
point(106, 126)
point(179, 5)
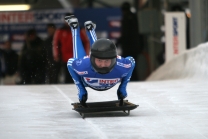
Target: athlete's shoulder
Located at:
point(127, 62)
point(79, 64)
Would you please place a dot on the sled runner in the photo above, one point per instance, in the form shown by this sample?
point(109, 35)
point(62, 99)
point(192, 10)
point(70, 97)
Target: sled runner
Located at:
point(106, 106)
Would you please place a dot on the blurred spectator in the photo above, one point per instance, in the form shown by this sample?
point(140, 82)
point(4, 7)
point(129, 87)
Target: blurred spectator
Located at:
point(130, 40)
point(10, 62)
point(63, 47)
point(11, 59)
point(52, 67)
point(32, 60)
point(2, 66)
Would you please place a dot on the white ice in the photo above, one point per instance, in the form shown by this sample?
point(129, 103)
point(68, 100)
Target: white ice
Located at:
point(173, 104)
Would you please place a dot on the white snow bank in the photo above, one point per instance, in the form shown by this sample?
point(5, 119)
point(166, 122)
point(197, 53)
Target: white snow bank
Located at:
point(191, 64)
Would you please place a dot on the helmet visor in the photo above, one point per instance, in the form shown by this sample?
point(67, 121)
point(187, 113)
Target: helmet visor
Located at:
point(102, 66)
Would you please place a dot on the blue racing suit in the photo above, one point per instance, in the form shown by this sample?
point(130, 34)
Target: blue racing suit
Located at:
point(84, 75)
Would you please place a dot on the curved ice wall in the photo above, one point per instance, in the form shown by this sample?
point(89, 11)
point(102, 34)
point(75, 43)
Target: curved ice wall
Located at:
point(191, 64)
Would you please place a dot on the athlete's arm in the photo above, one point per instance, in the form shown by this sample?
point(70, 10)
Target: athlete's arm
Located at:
point(82, 92)
point(121, 92)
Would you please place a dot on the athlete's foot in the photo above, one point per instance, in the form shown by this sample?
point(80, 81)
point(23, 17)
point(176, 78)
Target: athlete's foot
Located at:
point(89, 25)
point(72, 21)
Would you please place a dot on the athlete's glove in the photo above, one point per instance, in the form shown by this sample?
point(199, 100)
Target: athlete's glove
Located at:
point(121, 93)
point(83, 101)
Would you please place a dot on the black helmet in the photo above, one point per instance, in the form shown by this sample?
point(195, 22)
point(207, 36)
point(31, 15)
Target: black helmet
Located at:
point(103, 49)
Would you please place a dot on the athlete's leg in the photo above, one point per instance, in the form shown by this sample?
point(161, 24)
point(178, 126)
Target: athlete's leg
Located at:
point(78, 49)
point(78, 52)
point(90, 29)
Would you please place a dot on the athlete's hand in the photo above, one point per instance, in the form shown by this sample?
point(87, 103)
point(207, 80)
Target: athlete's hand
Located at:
point(121, 102)
point(83, 101)
point(121, 93)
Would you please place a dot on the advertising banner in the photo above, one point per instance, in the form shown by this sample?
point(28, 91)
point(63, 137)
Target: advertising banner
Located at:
point(175, 34)
point(13, 25)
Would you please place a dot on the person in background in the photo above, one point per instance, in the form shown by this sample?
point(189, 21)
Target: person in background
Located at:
point(2, 66)
point(11, 63)
point(130, 40)
point(63, 47)
point(32, 59)
point(52, 67)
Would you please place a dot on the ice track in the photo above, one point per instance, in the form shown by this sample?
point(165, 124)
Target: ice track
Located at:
point(168, 109)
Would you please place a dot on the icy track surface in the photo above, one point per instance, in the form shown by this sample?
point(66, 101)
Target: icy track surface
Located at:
point(168, 109)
